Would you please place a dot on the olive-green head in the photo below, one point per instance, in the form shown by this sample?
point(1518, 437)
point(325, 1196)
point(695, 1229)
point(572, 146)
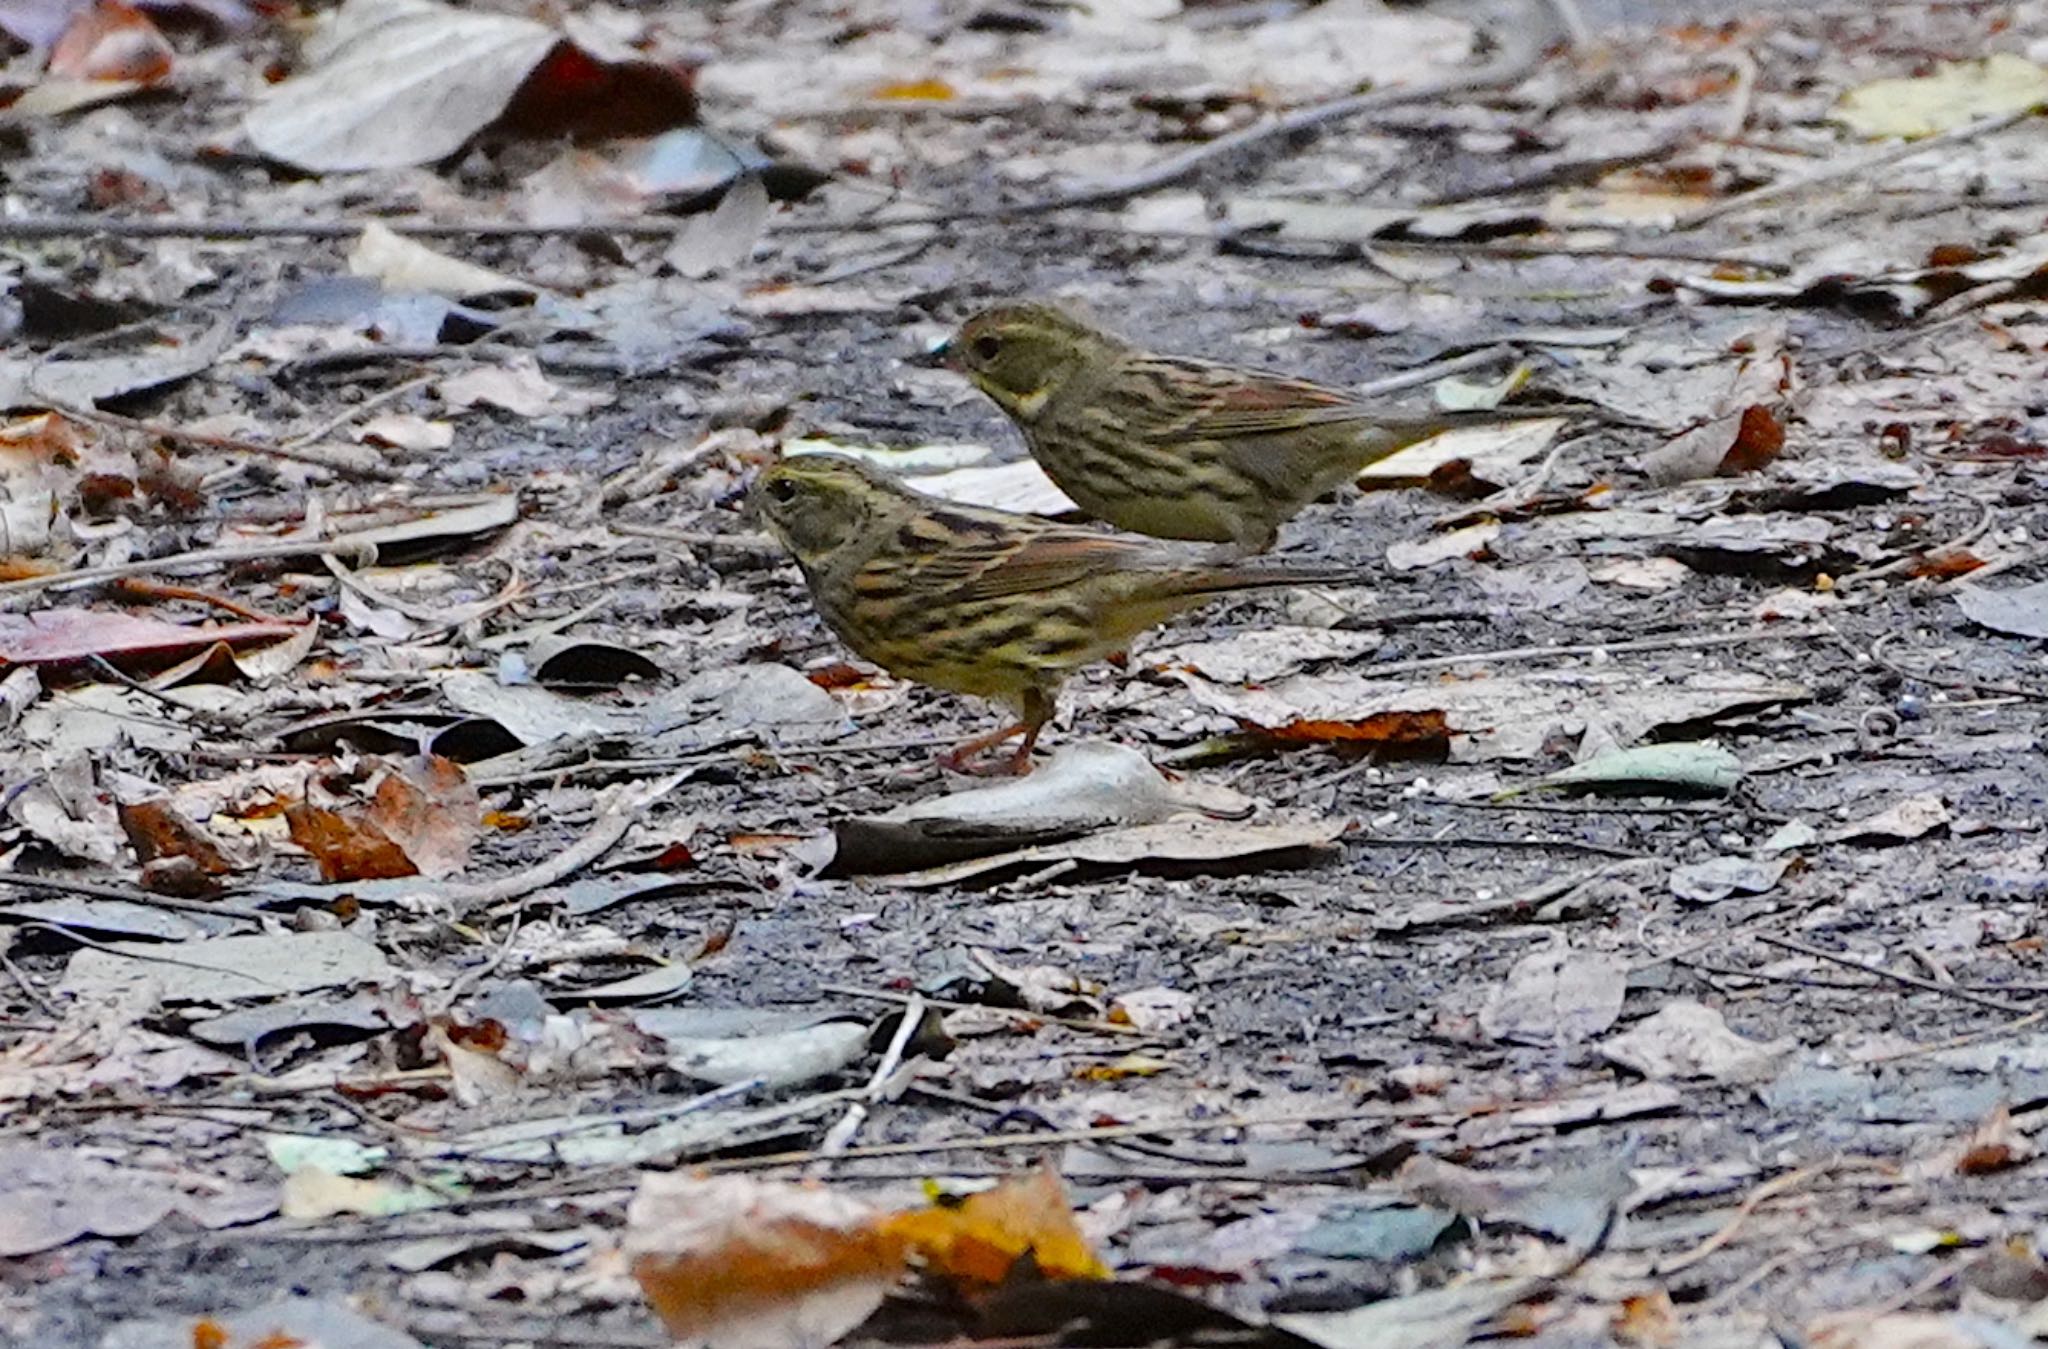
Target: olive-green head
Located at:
point(1021, 354)
point(818, 504)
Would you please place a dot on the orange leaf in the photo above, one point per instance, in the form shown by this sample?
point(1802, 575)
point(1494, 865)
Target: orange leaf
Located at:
point(977, 1241)
point(1758, 438)
point(346, 849)
point(112, 41)
point(1381, 728)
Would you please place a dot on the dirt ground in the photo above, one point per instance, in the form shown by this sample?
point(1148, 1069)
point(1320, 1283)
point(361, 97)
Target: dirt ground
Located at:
point(1737, 1041)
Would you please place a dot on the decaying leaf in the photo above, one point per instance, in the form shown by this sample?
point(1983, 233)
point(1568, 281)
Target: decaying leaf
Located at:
point(1556, 995)
point(393, 83)
point(730, 1262)
point(1686, 1039)
point(1955, 94)
point(1484, 717)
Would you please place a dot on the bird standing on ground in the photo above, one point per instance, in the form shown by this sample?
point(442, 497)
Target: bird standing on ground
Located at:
point(1171, 446)
point(979, 601)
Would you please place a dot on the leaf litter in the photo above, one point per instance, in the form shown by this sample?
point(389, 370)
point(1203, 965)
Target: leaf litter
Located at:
point(411, 745)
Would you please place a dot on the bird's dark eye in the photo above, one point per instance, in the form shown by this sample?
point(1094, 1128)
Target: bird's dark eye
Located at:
point(986, 347)
point(782, 490)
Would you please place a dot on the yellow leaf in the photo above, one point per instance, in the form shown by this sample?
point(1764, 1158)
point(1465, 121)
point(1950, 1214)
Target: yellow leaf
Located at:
point(1955, 95)
point(977, 1241)
point(930, 91)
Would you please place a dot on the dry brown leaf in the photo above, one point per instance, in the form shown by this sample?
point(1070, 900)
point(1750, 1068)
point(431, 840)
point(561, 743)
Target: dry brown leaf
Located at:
point(1997, 1144)
point(346, 847)
point(731, 1262)
point(112, 41)
point(431, 810)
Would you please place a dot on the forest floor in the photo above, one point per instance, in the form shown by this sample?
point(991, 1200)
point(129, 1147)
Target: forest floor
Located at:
point(445, 806)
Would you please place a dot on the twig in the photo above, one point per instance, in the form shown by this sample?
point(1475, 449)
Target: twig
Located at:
point(617, 808)
point(1919, 555)
point(1022, 1013)
point(232, 444)
point(205, 557)
point(1522, 653)
point(2013, 1027)
point(160, 590)
point(1752, 1201)
point(1850, 168)
point(1965, 684)
point(99, 890)
point(1897, 976)
point(1435, 370)
point(759, 544)
point(1510, 69)
point(355, 410)
point(1163, 1128)
point(841, 1135)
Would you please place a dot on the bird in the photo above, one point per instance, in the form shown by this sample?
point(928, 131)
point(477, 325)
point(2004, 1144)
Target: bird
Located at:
point(985, 602)
point(1173, 446)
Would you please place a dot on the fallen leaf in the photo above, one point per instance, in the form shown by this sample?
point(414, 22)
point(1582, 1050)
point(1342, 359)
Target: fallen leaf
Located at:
point(404, 264)
point(730, 1262)
point(1700, 766)
point(1956, 94)
point(1996, 1145)
point(978, 1241)
point(520, 388)
point(112, 41)
point(65, 636)
point(2019, 613)
point(1687, 1039)
point(1907, 820)
point(1741, 442)
point(1717, 878)
point(1556, 995)
point(395, 83)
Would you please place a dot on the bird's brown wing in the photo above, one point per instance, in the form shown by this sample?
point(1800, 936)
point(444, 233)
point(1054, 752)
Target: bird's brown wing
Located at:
point(1034, 563)
point(1227, 402)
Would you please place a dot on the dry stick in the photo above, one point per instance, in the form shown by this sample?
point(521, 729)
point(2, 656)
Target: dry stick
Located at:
point(1966, 685)
point(1752, 1201)
point(232, 444)
point(1909, 560)
point(738, 543)
point(355, 410)
point(1512, 68)
point(65, 885)
point(1852, 168)
point(1522, 653)
point(997, 1142)
point(2013, 1027)
point(1897, 976)
point(205, 557)
point(841, 1135)
point(1021, 1013)
point(617, 811)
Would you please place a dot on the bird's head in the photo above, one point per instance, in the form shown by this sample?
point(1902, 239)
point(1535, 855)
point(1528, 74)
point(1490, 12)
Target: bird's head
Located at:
point(1020, 354)
point(817, 504)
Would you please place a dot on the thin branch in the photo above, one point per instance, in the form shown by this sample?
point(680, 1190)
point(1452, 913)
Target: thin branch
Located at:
point(294, 453)
point(1523, 653)
point(1896, 976)
point(1850, 168)
point(205, 557)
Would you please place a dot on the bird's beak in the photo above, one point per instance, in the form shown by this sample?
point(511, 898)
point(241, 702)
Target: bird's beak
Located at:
point(937, 357)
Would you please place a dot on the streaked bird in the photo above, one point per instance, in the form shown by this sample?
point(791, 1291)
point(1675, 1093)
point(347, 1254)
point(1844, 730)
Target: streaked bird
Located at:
point(1175, 447)
point(978, 601)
